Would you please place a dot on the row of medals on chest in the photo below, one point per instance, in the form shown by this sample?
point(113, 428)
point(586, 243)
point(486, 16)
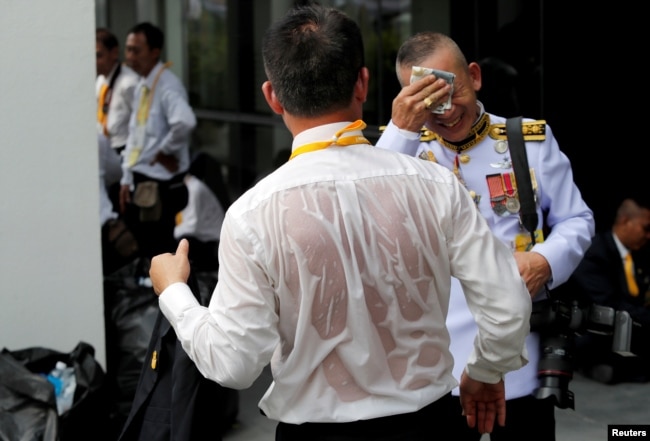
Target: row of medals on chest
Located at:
point(502, 186)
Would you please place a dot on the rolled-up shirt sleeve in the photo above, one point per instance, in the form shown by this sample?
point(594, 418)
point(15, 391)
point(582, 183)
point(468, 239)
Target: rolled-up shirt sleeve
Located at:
point(496, 295)
point(181, 120)
point(231, 349)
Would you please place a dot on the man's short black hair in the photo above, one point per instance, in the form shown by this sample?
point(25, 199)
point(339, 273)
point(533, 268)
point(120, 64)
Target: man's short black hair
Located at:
point(106, 38)
point(313, 57)
point(153, 34)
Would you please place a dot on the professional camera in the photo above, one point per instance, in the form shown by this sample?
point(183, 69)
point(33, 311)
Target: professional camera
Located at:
point(559, 322)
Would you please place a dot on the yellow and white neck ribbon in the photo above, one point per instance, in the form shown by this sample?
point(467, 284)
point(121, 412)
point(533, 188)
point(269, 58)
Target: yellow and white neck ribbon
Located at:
point(336, 140)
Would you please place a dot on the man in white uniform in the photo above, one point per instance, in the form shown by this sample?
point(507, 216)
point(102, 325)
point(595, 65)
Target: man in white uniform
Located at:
point(468, 140)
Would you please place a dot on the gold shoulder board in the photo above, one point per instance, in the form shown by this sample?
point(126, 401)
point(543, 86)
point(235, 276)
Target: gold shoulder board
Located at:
point(532, 130)
point(425, 134)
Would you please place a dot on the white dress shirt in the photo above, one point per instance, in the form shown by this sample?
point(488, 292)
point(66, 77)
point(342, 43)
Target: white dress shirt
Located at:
point(168, 128)
point(559, 203)
point(121, 105)
point(336, 268)
point(203, 215)
point(622, 250)
point(109, 174)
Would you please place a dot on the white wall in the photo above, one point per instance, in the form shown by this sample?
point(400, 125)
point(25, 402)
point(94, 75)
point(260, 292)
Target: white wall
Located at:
point(50, 259)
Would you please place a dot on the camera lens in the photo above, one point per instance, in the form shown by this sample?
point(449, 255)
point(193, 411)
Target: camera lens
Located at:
point(555, 370)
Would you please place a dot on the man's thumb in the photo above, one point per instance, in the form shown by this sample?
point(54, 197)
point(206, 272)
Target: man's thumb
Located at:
point(183, 248)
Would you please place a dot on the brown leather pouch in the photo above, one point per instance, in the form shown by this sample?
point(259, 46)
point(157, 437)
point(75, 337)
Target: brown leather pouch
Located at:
point(147, 197)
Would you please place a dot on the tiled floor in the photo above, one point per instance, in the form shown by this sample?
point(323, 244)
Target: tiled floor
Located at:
point(596, 406)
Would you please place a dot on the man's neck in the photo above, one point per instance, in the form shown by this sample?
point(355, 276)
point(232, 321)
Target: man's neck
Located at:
point(297, 125)
point(620, 241)
point(146, 75)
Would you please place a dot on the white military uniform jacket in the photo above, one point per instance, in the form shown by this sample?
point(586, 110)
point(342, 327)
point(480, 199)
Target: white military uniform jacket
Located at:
point(485, 162)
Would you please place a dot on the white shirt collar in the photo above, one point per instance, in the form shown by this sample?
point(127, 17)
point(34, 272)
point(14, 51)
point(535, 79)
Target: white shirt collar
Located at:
point(322, 133)
point(623, 251)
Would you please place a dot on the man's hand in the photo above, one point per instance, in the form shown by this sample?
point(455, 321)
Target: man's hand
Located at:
point(482, 403)
point(169, 268)
point(170, 162)
point(125, 197)
point(409, 108)
point(534, 270)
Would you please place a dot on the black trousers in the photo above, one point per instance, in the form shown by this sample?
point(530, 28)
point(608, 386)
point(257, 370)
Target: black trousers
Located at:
point(157, 237)
point(429, 423)
point(527, 418)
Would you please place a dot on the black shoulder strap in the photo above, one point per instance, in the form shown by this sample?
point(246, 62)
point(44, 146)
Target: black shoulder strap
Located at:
point(117, 73)
point(528, 211)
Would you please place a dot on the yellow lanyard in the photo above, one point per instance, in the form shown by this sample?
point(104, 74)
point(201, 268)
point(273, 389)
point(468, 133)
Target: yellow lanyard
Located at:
point(146, 96)
point(101, 105)
point(336, 140)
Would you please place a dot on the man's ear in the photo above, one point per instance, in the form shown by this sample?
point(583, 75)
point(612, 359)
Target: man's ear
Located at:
point(271, 99)
point(155, 52)
point(475, 75)
point(361, 86)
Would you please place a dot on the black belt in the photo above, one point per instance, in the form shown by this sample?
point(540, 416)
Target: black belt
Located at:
point(139, 177)
point(382, 426)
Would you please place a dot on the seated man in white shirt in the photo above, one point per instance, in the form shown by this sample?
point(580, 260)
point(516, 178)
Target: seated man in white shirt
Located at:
point(200, 223)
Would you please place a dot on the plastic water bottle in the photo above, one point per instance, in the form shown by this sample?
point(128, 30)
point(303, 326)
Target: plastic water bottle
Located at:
point(65, 382)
